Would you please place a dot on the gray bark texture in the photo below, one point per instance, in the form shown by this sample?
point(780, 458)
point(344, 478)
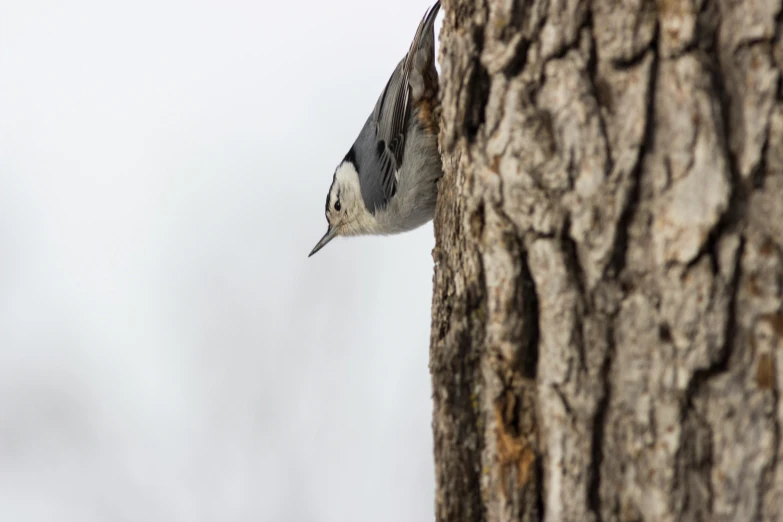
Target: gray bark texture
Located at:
point(607, 322)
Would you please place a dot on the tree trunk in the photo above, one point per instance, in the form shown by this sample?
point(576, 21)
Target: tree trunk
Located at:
point(607, 323)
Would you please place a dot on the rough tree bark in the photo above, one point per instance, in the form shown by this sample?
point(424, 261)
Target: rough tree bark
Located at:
point(607, 328)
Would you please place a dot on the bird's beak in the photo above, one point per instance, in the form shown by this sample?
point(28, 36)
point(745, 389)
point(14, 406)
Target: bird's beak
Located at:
point(330, 234)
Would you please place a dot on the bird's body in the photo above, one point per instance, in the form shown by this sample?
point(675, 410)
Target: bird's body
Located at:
point(387, 183)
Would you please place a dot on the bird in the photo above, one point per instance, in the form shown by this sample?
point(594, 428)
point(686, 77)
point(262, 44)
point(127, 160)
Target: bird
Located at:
point(387, 183)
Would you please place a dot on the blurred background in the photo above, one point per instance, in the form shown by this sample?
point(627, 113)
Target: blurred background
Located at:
point(167, 350)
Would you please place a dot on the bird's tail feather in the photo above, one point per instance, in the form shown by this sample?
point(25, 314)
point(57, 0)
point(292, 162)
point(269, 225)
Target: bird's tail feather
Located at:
point(424, 34)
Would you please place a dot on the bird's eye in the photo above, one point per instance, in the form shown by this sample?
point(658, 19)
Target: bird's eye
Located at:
point(337, 205)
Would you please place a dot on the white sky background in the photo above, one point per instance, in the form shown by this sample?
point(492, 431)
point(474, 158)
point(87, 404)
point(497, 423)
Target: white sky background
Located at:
point(167, 350)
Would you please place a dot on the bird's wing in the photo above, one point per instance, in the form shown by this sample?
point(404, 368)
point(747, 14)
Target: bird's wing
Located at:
point(390, 117)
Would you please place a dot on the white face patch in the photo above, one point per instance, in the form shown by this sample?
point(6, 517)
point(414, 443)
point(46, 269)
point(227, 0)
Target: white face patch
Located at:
point(352, 218)
point(346, 190)
point(347, 177)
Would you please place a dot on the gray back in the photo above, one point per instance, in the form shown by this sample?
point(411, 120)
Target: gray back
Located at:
point(379, 149)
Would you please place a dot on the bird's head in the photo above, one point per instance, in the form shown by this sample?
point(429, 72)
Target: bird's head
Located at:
point(346, 212)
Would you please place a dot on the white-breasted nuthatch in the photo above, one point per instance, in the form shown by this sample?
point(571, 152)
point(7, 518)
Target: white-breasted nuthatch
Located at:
point(387, 183)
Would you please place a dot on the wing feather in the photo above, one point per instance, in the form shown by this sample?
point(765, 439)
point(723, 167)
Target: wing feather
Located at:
point(392, 110)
